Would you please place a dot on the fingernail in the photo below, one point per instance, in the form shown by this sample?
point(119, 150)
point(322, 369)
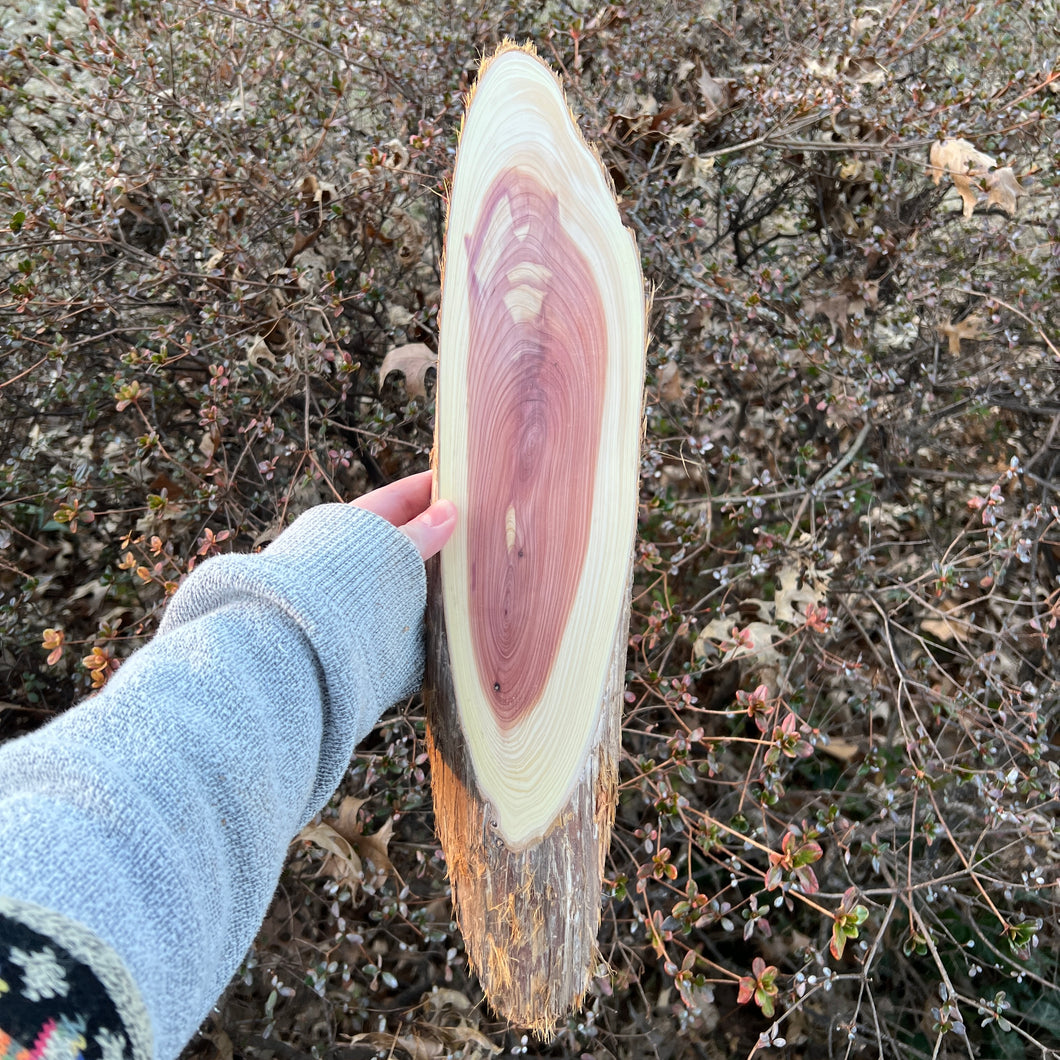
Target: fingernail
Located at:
point(439, 513)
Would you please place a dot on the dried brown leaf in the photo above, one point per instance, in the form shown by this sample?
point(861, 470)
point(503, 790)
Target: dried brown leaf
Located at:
point(684, 68)
point(415, 1048)
point(343, 864)
point(841, 307)
point(349, 847)
point(210, 441)
point(409, 237)
point(947, 624)
point(864, 22)
point(964, 164)
point(414, 361)
point(261, 357)
point(971, 327)
point(837, 309)
point(375, 848)
point(442, 998)
point(1003, 189)
point(756, 642)
point(864, 70)
point(795, 590)
point(670, 384)
point(945, 629)
point(316, 192)
point(638, 110)
point(347, 824)
point(827, 68)
point(714, 94)
point(855, 170)
point(694, 170)
point(840, 750)
point(463, 1034)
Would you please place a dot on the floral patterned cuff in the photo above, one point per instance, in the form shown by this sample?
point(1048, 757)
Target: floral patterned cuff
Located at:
point(63, 992)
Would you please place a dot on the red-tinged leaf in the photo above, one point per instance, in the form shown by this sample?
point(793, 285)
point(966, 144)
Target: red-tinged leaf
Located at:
point(747, 990)
point(806, 854)
point(838, 943)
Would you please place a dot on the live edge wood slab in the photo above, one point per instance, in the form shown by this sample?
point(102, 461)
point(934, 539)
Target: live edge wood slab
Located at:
point(537, 442)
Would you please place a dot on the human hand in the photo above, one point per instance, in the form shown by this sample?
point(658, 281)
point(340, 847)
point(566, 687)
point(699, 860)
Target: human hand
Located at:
point(407, 505)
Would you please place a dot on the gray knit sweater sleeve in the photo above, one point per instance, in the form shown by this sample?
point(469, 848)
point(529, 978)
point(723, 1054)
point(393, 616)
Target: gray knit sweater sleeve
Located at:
point(153, 819)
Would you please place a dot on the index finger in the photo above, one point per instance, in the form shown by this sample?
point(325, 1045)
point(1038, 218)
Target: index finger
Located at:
point(401, 501)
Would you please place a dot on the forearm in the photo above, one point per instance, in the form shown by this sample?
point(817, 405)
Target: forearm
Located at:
point(158, 813)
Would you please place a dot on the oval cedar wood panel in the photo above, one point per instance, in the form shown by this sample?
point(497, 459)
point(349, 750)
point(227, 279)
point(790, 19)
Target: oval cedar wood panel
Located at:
point(540, 375)
point(536, 374)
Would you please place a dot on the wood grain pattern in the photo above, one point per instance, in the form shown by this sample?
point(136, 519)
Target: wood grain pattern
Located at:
point(537, 442)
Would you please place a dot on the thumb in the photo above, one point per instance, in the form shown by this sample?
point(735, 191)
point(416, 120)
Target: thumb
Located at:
point(430, 530)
